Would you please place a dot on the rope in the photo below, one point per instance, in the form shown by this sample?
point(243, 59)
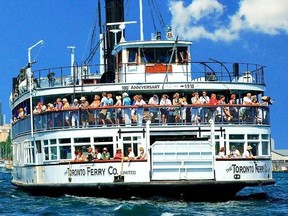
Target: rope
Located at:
point(37, 53)
point(158, 13)
point(151, 13)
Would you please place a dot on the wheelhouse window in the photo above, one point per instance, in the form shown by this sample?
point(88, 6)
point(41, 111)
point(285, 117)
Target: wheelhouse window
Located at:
point(157, 55)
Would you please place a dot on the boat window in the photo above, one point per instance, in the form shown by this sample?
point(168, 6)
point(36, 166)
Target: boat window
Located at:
point(45, 142)
point(52, 141)
point(107, 142)
point(46, 152)
point(217, 147)
point(265, 148)
point(53, 152)
point(65, 152)
point(82, 140)
point(236, 136)
point(131, 141)
point(156, 55)
point(103, 139)
point(238, 145)
point(38, 146)
point(66, 140)
point(265, 136)
point(254, 148)
point(132, 55)
point(253, 136)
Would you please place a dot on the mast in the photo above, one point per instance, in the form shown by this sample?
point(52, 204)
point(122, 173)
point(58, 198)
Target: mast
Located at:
point(141, 20)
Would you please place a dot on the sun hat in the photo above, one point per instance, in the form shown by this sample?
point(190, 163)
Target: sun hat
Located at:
point(75, 100)
point(249, 147)
point(82, 98)
point(104, 149)
point(64, 99)
point(124, 95)
point(118, 149)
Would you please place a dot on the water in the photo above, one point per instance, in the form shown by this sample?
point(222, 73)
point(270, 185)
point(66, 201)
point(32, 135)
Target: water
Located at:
point(266, 200)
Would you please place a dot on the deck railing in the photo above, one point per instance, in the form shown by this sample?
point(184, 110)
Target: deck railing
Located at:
point(190, 72)
point(178, 116)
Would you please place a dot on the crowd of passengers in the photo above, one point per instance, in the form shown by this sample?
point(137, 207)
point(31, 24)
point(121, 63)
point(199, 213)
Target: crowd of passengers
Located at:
point(95, 155)
point(161, 110)
point(235, 153)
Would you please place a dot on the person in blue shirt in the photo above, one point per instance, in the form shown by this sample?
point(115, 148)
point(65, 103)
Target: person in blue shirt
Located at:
point(127, 111)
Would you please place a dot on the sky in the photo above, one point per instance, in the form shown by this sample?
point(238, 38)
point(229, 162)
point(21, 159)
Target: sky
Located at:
point(253, 31)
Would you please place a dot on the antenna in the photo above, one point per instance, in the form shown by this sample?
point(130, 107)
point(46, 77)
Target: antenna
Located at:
point(121, 26)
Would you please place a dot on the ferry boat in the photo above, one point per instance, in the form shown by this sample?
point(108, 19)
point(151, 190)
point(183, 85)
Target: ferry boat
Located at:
point(181, 140)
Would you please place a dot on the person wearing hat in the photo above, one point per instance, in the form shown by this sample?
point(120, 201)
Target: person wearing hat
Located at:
point(127, 111)
point(153, 101)
point(66, 106)
point(84, 105)
point(118, 154)
point(248, 153)
point(234, 153)
point(105, 154)
point(94, 105)
point(74, 114)
point(165, 110)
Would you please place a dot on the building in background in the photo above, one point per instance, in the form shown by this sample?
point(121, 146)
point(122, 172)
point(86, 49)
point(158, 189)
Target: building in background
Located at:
point(280, 160)
point(2, 117)
point(4, 132)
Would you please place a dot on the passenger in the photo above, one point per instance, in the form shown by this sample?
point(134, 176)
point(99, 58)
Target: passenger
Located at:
point(195, 117)
point(133, 111)
point(176, 110)
point(105, 154)
point(118, 154)
point(184, 104)
point(244, 112)
point(84, 105)
point(142, 155)
point(66, 106)
point(165, 110)
point(75, 113)
point(153, 101)
point(248, 153)
point(221, 153)
point(224, 111)
point(213, 101)
point(140, 110)
point(109, 114)
point(50, 120)
point(233, 110)
point(234, 153)
point(103, 112)
point(263, 115)
point(97, 155)
point(90, 155)
point(204, 99)
point(254, 110)
point(21, 113)
point(131, 155)
point(118, 113)
point(95, 104)
point(127, 111)
point(38, 109)
point(79, 156)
